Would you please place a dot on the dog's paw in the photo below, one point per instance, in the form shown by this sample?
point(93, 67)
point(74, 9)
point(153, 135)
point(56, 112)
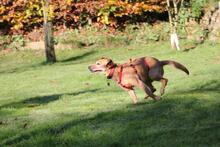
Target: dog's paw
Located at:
point(135, 103)
point(157, 98)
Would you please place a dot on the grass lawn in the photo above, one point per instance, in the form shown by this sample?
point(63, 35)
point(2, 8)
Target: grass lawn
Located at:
point(65, 105)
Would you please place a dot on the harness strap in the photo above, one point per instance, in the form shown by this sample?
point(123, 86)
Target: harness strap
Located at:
point(146, 64)
point(121, 75)
point(120, 79)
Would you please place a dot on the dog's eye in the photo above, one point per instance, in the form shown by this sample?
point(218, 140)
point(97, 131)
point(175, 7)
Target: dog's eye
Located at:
point(97, 63)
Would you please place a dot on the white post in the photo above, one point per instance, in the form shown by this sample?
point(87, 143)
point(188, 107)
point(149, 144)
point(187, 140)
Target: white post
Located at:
point(174, 41)
point(219, 5)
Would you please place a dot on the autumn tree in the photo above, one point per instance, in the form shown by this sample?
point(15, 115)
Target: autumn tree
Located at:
point(22, 15)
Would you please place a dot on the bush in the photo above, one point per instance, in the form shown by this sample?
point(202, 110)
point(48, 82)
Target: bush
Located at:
point(22, 16)
point(4, 42)
point(15, 42)
point(90, 36)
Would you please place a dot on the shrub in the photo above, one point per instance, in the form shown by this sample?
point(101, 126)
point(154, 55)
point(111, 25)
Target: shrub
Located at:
point(90, 36)
point(23, 15)
point(15, 42)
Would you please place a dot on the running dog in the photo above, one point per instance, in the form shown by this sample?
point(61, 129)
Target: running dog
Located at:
point(140, 72)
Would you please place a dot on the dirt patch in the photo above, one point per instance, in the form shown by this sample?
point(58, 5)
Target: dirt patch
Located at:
point(39, 45)
point(34, 45)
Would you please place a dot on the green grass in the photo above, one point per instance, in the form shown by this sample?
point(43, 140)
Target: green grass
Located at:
point(65, 105)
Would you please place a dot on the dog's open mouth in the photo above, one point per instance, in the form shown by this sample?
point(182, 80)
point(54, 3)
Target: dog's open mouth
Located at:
point(94, 70)
point(98, 70)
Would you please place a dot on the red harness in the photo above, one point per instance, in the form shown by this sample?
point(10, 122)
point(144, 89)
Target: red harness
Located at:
point(112, 70)
point(120, 79)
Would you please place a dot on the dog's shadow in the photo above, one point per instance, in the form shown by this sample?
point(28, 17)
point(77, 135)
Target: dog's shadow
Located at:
point(43, 100)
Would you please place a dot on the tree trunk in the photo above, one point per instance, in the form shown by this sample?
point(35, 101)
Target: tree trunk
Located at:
point(48, 35)
point(170, 15)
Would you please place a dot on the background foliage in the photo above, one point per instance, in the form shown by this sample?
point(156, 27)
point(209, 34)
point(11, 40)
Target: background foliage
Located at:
point(24, 17)
point(20, 16)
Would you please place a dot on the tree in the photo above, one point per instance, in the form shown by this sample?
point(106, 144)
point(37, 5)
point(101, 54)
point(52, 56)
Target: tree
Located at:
point(48, 34)
point(174, 19)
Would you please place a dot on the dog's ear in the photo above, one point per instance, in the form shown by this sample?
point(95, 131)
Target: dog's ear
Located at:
point(104, 58)
point(109, 64)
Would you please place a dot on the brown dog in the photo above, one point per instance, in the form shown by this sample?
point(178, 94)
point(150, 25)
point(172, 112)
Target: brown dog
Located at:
point(139, 72)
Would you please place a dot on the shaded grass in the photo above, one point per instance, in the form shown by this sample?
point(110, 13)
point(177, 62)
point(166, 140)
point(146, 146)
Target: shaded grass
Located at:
point(64, 105)
point(42, 100)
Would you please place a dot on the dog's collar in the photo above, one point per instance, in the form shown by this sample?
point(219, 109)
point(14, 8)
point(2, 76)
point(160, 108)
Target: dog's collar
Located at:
point(111, 73)
point(112, 70)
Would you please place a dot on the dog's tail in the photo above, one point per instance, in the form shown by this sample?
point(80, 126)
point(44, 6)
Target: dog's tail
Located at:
point(176, 65)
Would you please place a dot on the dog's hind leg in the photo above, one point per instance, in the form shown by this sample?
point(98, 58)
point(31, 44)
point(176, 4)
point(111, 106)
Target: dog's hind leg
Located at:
point(147, 90)
point(156, 74)
point(149, 84)
point(133, 96)
point(164, 84)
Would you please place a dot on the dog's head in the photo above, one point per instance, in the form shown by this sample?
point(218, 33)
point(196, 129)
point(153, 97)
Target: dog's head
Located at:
point(101, 65)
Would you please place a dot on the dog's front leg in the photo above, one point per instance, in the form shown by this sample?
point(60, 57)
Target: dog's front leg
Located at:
point(133, 96)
